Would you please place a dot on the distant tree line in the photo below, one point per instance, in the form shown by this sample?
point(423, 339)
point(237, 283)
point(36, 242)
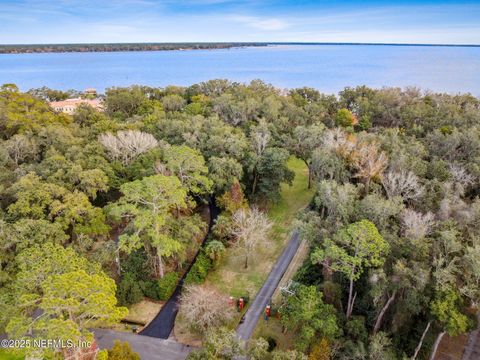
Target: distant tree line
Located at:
point(52, 48)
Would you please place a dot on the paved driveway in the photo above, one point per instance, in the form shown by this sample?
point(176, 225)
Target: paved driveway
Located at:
point(257, 308)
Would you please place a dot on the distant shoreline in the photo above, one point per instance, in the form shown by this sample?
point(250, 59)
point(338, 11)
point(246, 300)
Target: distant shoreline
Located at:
point(133, 47)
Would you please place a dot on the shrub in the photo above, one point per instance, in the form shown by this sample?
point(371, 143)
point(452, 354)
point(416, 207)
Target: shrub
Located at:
point(128, 290)
point(320, 351)
point(204, 308)
point(364, 123)
point(356, 329)
point(345, 118)
point(199, 271)
point(166, 285)
point(135, 264)
point(223, 228)
point(215, 250)
point(150, 289)
point(122, 351)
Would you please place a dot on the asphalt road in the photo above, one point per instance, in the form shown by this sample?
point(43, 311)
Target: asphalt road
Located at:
point(162, 325)
point(149, 348)
point(257, 307)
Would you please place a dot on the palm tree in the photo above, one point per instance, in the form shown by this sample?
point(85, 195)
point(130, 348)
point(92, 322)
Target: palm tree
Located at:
point(215, 250)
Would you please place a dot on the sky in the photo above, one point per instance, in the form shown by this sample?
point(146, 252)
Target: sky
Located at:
point(372, 21)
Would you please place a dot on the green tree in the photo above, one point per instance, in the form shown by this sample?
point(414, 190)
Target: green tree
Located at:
point(304, 141)
point(71, 303)
point(128, 290)
point(22, 235)
point(219, 344)
point(307, 316)
point(447, 310)
point(224, 171)
point(21, 112)
point(72, 293)
point(381, 347)
point(337, 203)
point(215, 250)
point(403, 285)
point(257, 349)
point(125, 102)
point(38, 200)
point(352, 249)
point(328, 165)
point(150, 206)
point(56, 168)
point(173, 102)
point(37, 263)
point(122, 351)
point(345, 118)
point(272, 171)
point(30, 232)
point(189, 166)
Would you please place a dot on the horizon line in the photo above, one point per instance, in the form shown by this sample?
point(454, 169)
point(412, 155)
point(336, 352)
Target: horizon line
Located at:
point(246, 43)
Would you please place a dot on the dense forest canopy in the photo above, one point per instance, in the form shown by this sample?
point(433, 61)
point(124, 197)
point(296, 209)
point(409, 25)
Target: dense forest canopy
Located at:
point(111, 201)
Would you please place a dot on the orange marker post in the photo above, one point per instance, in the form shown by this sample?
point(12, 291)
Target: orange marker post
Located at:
point(267, 312)
point(241, 303)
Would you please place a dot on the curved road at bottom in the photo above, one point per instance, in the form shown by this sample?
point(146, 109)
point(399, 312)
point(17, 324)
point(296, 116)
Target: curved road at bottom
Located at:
point(263, 297)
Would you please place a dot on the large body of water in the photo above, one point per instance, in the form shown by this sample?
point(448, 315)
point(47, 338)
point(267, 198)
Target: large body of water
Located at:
point(328, 68)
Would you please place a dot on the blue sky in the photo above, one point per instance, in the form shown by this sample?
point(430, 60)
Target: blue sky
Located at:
point(76, 21)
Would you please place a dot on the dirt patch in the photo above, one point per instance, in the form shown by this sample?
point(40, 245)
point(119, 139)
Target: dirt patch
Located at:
point(184, 335)
point(144, 311)
point(451, 348)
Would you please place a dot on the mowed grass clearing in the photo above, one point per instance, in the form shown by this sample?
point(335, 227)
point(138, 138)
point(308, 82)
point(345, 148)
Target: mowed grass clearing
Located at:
point(231, 278)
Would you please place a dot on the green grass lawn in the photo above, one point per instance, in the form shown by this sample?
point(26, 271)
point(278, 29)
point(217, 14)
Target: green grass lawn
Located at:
point(231, 277)
point(273, 329)
point(293, 199)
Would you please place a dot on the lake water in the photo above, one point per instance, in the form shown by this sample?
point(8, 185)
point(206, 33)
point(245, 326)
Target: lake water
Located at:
point(328, 68)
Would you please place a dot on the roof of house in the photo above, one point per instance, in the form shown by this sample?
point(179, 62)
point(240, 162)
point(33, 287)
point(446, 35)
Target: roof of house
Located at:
point(75, 102)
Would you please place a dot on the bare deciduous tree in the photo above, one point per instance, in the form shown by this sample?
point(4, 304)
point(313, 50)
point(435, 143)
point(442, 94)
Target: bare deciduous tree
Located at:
point(403, 183)
point(260, 138)
point(338, 141)
point(204, 307)
point(416, 225)
point(452, 205)
point(126, 145)
point(369, 162)
point(251, 228)
point(461, 178)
